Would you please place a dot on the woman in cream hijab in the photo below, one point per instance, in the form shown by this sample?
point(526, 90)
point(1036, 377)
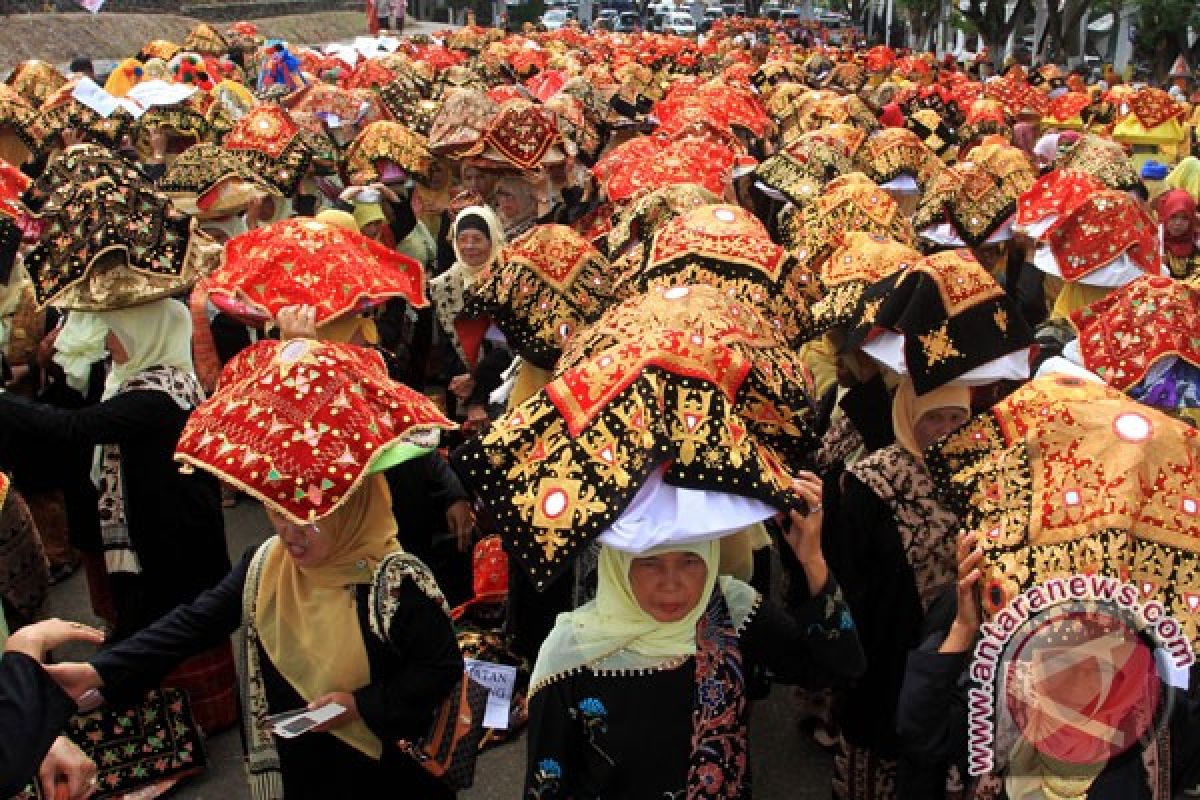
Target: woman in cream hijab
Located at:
point(478, 238)
point(895, 553)
point(162, 532)
point(668, 643)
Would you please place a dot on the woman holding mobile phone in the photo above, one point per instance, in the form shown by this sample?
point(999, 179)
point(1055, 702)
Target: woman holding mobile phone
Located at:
point(334, 610)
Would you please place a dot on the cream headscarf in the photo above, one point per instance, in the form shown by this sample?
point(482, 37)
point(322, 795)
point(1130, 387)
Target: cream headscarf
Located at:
point(157, 334)
point(908, 407)
point(78, 346)
point(495, 234)
point(448, 291)
point(306, 619)
point(613, 633)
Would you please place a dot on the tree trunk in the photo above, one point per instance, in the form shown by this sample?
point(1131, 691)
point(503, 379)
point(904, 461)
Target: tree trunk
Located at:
point(995, 24)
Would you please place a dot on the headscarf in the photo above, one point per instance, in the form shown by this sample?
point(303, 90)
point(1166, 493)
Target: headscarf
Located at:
point(338, 218)
point(306, 619)
point(1025, 136)
point(527, 201)
point(495, 235)
point(892, 116)
point(1074, 296)
point(1171, 203)
point(1186, 176)
point(78, 346)
point(612, 632)
point(156, 334)
point(1046, 149)
point(908, 407)
point(366, 213)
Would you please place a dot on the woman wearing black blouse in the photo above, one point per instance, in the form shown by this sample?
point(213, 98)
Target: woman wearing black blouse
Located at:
point(333, 609)
point(164, 536)
point(668, 644)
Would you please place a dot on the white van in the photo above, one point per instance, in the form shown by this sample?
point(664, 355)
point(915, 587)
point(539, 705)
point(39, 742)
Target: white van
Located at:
point(679, 23)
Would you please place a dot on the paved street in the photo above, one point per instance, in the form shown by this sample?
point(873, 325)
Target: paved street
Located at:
point(785, 765)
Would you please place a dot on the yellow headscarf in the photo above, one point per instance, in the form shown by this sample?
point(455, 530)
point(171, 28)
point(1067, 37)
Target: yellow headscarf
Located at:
point(1186, 176)
point(338, 218)
point(308, 622)
point(1074, 296)
point(366, 213)
point(612, 632)
point(908, 407)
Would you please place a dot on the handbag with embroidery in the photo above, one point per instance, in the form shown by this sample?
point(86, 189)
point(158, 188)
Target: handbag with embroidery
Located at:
point(146, 747)
point(451, 747)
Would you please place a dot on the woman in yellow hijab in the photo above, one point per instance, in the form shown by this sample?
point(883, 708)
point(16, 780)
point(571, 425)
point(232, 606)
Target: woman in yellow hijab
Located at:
point(334, 610)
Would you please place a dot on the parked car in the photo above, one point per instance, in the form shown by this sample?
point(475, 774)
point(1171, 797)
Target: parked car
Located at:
point(556, 18)
point(679, 24)
point(711, 15)
point(606, 20)
point(627, 22)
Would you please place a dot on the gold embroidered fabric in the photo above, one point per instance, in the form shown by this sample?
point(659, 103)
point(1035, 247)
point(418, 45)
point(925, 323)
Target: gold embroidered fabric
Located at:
point(862, 260)
point(107, 247)
point(388, 141)
point(892, 152)
point(1103, 158)
point(545, 286)
point(1068, 477)
point(804, 166)
point(727, 247)
point(684, 378)
point(850, 203)
point(457, 129)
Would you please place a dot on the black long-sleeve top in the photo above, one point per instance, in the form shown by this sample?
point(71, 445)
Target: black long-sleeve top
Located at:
point(865, 551)
point(174, 519)
point(422, 490)
point(809, 636)
point(33, 712)
point(411, 674)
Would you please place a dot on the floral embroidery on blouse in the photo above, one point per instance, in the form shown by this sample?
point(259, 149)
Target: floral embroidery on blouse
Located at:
point(547, 781)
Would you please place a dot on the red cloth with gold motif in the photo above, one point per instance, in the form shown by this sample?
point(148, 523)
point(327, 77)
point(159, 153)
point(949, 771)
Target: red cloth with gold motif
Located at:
point(306, 262)
point(1068, 477)
point(1057, 193)
point(1154, 107)
point(1125, 333)
point(1106, 225)
point(299, 424)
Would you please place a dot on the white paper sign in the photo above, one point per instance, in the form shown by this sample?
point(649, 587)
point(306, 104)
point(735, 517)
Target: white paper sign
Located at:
point(91, 5)
point(499, 681)
point(94, 97)
point(160, 93)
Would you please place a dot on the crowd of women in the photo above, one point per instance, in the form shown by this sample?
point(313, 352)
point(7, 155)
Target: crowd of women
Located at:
point(659, 370)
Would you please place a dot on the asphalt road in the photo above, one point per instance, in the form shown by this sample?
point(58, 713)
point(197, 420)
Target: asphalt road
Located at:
point(785, 764)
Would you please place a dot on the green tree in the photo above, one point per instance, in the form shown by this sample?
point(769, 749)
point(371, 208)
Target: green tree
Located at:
point(1162, 32)
point(921, 16)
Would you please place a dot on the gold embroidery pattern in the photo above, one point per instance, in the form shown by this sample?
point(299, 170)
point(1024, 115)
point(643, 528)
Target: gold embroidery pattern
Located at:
point(545, 286)
point(1067, 477)
point(938, 347)
point(680, 377)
